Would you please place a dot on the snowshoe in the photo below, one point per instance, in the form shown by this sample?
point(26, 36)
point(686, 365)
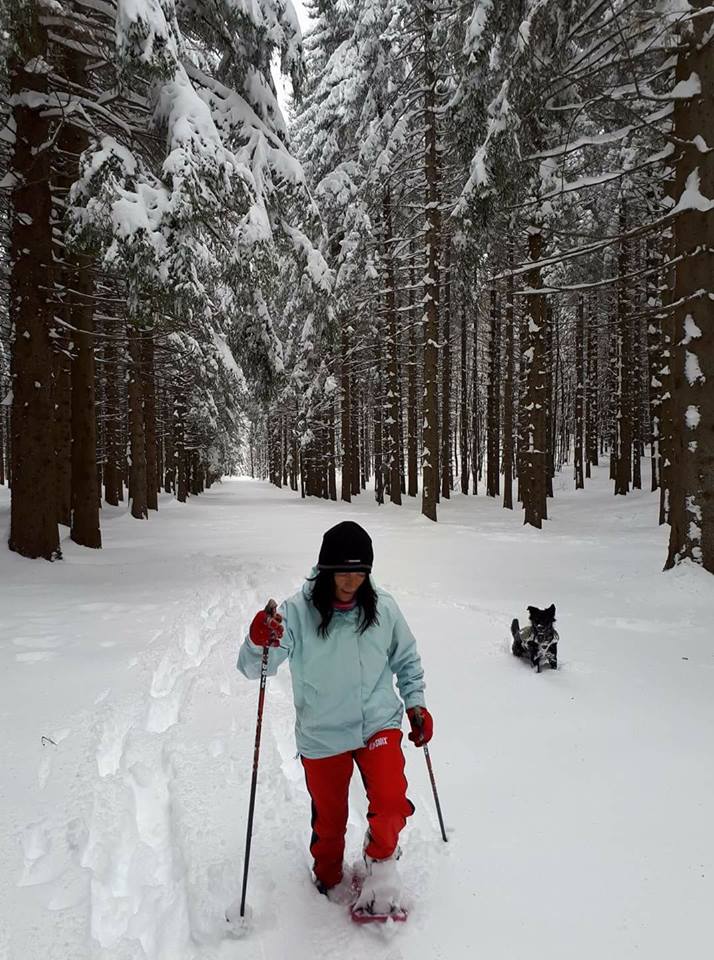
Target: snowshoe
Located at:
point(377, 893)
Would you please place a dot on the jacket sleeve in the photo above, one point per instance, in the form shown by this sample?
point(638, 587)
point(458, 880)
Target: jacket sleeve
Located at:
point(250, 655)
point(406, 663)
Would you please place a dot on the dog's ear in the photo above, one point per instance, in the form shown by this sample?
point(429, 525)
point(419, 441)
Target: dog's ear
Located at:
point(532, 611)
point(551, 610)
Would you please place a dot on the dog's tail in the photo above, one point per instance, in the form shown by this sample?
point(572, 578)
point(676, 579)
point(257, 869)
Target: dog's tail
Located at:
point(517, 645)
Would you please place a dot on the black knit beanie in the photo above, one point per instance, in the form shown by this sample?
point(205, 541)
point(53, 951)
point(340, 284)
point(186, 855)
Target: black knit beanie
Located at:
point(346, 547)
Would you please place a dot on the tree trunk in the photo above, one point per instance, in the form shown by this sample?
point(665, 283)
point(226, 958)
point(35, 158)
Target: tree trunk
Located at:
point(508, 394)
point(533, 353)
point(579, 392)
point(2, 438)
point(623, 416)
point(359, 466)
point(393, 433)
point(475, 413)
point(654, 363)
point(295, 451)
point(432, 237)
point(379, 470)
point(464, 401)
point(412, 413)
point(331, 459)
point(636, 402)
point(493, 401)
point(148, 384)
point(137, 434)
point(85, 481)
point(33, 523)
point(346, 421)
point(61, 400)
point(591, 392)
point(692, 484)
point(446, 477)
point(553, 378)
point(111, 416)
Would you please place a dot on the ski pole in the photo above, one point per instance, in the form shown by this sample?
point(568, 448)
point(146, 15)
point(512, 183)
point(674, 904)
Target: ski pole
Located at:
point(429, 767)
point(270, 609)
point(436, 795)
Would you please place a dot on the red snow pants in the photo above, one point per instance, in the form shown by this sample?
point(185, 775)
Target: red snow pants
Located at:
point(381, 763)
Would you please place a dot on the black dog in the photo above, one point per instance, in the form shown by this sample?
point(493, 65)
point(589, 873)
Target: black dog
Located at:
point(538, 642)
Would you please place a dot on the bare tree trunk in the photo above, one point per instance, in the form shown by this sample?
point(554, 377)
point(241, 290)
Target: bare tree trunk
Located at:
point(654, 363)
point(2, 439)
point(295, 458)
point(85, 482)
point(464, 400)
point(346, 421)
point(636, 403)
point(112, 475)
point(412, 400)
point(149, 393)
point(432, 235)
point(692, 485)
point(379, 470)
point(552, 371)
point(393, 433)
point(579, 392)
point(283, 447)
point(137, 434)
point(475, 413)
point(62, 423)
point(33, 524)
point(623, 417)
point(357, 434)
point(508, 394)
point(78, 306)
point(446, 480)
point(331, 458)
point(493, 410)
point(533, 359)
point(591, 393)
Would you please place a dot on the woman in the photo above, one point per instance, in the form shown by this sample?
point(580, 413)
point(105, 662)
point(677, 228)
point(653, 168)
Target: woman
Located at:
point(345, 641)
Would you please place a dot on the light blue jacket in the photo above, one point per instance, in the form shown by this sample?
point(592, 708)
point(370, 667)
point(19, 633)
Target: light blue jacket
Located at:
point(342, 683)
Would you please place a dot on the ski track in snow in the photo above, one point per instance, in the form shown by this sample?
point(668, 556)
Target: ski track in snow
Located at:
point(172, 770)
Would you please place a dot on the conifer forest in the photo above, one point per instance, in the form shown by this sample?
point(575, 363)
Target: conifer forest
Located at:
point(476, 248)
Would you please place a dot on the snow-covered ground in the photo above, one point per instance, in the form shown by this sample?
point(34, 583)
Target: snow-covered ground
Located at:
point(579, 803)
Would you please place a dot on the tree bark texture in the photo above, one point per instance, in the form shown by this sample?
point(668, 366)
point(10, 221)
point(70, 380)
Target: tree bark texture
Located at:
point(33, 524)
point(533, 354)
point(580, 393)
point(346, 416)
point(430, 450)
point(137, 434)
point(692, 486)
point(393, 435)
point(493, 400)
point(148, 386)
point(623, 414)
point(508, 395)
point(445, 351)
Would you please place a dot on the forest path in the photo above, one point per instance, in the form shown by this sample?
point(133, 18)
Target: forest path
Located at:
point(578, 802)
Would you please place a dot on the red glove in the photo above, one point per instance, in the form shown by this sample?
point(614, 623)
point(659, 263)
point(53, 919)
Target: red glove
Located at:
point(266, 630)
point(422, 725)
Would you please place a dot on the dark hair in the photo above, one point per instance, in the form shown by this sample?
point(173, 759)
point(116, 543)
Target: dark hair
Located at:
point(323, 597)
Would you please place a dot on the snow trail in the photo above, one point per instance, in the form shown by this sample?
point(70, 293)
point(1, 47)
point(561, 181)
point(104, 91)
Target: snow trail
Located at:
point(577, 803)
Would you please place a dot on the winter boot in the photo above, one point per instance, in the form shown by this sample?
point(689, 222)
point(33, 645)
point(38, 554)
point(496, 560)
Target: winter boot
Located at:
point(342, 892)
